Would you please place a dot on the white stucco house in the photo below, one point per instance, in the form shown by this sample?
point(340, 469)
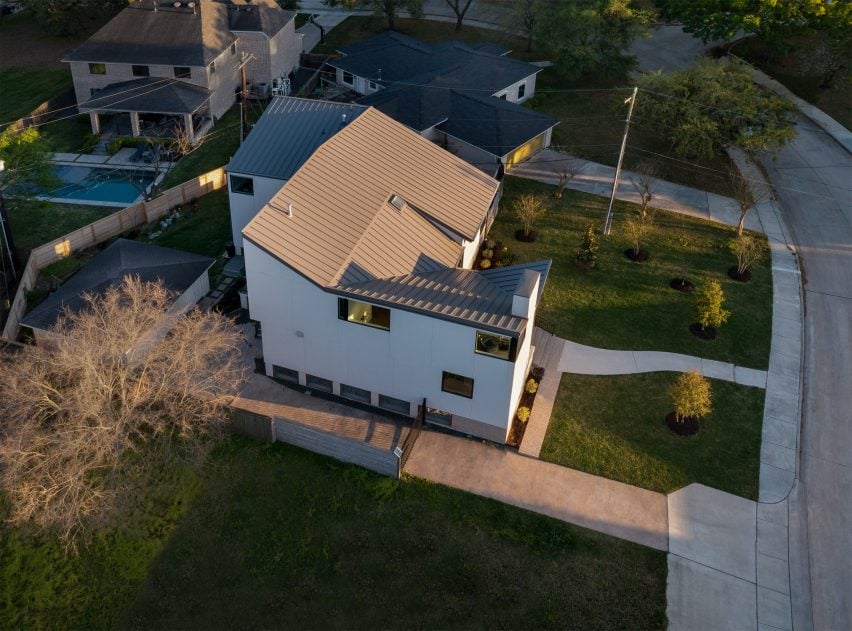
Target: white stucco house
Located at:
point(284, 137)
point(358, 270)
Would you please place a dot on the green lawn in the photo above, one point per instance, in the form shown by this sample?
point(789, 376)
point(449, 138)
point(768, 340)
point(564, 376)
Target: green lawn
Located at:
point(629, 306)
point(615, 427)
point(270, 536)
point(356, 28)
point(203, 229)
point(24, 89)
point(68, 135)
point(35, 222)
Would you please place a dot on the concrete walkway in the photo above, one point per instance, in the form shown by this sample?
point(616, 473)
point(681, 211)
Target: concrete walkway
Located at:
point(604, 505)
point(588, 360)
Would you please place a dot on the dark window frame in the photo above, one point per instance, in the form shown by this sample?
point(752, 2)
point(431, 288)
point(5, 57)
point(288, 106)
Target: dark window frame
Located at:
point(458, 393)
point(522, 90)
point(140, 71)
point(234, 48)
point(95, 68)
point(238, 184)
point(512, 352)
point(343, 78)
point(285, 374)
point(315, 382)
point(182, 72)
point(385, 399)
point(354, 393)
point(212, 67)
point(343, 312)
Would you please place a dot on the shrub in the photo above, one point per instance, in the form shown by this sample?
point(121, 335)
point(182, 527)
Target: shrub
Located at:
point(488, 253)
point(485, 264)
point(637, 229)
point(708, 305)
point(529, 208)
point(532, 386)
point(588, 252)
point(490, 244)
point(690, 395)
point(748, 251)
point(523, 414)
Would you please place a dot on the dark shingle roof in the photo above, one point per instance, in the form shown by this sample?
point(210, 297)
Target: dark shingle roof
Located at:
point(177, 270)
point(469, 296)
point(153, 95)
point(258, 15)
point(391, 57)
point(492, 124)
point(288, 132)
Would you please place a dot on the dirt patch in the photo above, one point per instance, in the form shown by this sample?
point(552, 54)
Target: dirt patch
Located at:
point(681, 284)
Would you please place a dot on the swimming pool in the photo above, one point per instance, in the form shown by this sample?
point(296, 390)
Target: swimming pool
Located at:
point(108, 186)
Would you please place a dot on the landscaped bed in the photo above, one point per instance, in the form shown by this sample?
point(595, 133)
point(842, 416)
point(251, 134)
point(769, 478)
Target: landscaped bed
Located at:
point(626, 305)
point(615, 427)
point(270, 536)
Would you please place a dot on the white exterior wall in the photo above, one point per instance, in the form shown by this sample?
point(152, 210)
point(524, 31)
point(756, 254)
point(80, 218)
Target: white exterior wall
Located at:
point(195, 292)
point(467, 152)
point(245, 207)
point(511, 91)
point(301, 331)
point(361, 86)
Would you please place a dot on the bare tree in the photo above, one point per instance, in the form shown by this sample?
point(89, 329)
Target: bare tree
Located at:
point(746, 194)
point(748, 250)
point(528, 208)
point(567, 171)
point(637, 229)
point(181, 145)
point(459, 7)
point(111, 384)
point(645, 183)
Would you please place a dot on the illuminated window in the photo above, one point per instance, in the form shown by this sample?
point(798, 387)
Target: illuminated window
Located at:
point(363, 313)
point(457, 384)
point(97, 68)
point(494, 345)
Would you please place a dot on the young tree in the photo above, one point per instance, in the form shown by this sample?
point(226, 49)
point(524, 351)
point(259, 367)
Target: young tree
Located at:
point(591, 35)
point(529, 208)
point(568, 169)
point(637, 229)
point(587, 255)
point(459, 7)
point(387, 8)
point(690, 395)
point(712, 105)
point(645, 183)
point(747, 195)
point(748, 250)
point(108, 387)
point(709, 303)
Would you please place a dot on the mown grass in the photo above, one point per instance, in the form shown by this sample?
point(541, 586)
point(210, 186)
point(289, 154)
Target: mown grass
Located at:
point(629, 306)
point(614, 426)
point(270, 536)
point(68, 135)
point(295, 540)
point(24, 89)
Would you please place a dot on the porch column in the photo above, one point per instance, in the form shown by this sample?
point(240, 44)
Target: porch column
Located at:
point(188, 128)
point(95, 119)
point(134, 124)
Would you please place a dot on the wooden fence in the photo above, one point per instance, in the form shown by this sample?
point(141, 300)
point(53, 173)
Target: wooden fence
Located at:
point(46, 111)
point(268, 429)
point(102, 230)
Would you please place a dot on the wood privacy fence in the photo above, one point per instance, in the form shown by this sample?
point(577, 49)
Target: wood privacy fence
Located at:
point(271, 430)
point(102, 230)
point(46, 111)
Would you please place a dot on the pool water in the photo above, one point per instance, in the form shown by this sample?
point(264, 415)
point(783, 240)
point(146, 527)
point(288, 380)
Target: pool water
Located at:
point(100, 185)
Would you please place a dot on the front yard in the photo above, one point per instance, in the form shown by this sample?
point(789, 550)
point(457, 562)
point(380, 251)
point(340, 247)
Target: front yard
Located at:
point(614, 426)
point(270, 536)
point(626, 305)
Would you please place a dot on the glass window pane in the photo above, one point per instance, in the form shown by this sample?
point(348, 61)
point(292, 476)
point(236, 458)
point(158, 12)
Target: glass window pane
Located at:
point(371, 315)
point(493, 344)
point(244, 185)
point(318, 383)
point(356, 394)
point(394, 405)
point(457, 384)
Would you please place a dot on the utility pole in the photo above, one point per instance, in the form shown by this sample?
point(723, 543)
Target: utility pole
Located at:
point(608, 221)
point(244, 96)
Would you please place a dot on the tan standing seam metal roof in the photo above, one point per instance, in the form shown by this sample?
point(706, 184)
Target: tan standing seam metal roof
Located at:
point(342, 228)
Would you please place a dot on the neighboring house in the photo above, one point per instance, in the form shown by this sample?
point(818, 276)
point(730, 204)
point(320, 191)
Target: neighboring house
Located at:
point(182, 273)
point(462, 96)
point(358, 270)
point(180, 61)
point(284, 137)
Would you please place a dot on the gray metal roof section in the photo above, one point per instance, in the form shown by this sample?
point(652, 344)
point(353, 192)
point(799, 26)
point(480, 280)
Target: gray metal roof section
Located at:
point(463, 295)
point(288, 133)
point(391, 58)
point(175, 269)
point(150, 95)
point(510, 278)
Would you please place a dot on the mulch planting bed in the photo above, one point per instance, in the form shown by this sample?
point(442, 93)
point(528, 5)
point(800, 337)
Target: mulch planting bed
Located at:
point(526, 238)
point(681, 284)
point(706, 333)
point(687, 426)
point(633, 256)
point(743, 278)
point(516, 434)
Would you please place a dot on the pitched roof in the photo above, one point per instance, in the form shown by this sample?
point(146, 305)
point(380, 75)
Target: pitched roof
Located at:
point(343, 227)
point(492, 124)
point(287, 133)
point(178, 36)
point(392, 57)
point(153, 95)
point(177, 270)
point(469, 296)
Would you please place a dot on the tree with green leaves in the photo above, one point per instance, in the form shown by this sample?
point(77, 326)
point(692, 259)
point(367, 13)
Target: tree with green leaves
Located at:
point(26, 159)
point(591, 35)
point(712, 105)
point(67, 18)
point(709, 309)
point(387, 8)
point(690, 395)
point(773, 21)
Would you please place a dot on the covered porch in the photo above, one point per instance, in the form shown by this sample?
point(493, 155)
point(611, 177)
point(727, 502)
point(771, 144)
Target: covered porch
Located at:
point(152, 107)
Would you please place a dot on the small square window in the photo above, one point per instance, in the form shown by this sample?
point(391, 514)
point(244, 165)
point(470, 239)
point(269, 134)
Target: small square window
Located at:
point(522, 89)
point(141, 71)
point(97, 68)
point(183, 72)
point(318, 383)
point(457, 384)
point(394, 405)
point(242, 185)
point(356, 394)
point(348, 78)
